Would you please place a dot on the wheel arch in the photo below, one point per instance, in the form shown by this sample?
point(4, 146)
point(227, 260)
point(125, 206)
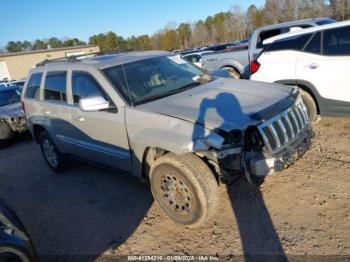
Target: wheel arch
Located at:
point(240, 72)
point(37, 130)
point(307, 87)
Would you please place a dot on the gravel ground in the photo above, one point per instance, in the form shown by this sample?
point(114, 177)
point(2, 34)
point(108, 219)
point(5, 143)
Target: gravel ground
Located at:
point(94, 214)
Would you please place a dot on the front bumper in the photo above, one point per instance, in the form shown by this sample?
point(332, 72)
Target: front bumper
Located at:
point(280, 161)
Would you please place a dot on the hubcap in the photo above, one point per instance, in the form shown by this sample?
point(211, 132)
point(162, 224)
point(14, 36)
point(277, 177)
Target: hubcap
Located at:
point(50, 153)
point(176, 194)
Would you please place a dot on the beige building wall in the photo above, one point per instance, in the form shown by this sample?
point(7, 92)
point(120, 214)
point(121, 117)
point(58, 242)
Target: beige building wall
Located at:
point(18, 64)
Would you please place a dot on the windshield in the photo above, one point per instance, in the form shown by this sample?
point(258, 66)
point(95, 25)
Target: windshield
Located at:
point(8, 97)
point(150, 79)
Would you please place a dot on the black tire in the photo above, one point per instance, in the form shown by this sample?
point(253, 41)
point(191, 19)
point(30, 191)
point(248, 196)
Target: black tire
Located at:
point(6, 134)
point(233, 72)
point(310, 106)
point(57, 161)
point(185, 188)
point(13, 254)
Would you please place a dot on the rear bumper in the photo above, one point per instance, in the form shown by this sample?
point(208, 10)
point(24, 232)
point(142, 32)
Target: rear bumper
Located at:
point(283, 159)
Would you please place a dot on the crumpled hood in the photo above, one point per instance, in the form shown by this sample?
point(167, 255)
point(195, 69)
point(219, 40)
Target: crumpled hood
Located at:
point(226, 104)
point(12, 110)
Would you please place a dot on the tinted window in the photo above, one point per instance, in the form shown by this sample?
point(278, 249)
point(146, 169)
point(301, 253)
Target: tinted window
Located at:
point(33, 86)
point(84, 85)
point(326, 22)
point(8, 97)
point(292, 43)
point(315, 44)
point(336, 41)
point(55, 86)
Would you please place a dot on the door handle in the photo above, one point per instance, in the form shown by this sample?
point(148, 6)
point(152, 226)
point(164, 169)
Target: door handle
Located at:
point(312, 66)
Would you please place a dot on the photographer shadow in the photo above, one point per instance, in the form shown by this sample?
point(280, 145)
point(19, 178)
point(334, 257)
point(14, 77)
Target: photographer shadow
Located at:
point(259, 239)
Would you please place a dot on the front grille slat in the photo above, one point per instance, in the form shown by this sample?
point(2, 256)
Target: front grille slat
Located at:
point(288, 126)
point(281, 130)
point(275, 136)
point(300, 110)
point(298, 118)
point(269, 137)
point(294, 124)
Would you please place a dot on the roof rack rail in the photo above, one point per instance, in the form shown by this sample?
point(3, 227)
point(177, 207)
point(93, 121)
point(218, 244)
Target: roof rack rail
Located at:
point(73, 58)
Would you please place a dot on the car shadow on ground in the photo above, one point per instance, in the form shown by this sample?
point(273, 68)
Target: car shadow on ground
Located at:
point(75, 216)
point(260, 241)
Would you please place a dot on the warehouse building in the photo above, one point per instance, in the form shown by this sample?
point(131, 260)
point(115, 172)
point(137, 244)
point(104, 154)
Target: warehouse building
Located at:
point(15, 66)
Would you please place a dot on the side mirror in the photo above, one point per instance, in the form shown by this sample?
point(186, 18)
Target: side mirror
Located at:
point(93, 103)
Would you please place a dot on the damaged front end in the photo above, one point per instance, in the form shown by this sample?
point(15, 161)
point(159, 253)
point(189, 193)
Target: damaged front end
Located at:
point(263, 149)
point(16, 124)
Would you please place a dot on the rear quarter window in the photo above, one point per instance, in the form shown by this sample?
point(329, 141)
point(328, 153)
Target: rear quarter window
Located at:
point(33, 86)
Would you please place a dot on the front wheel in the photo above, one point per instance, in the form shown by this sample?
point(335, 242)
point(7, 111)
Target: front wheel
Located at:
point(53, 157)
point(185, 188)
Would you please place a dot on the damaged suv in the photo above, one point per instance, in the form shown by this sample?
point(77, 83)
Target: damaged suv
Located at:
point(158, 117)
point(12, 119)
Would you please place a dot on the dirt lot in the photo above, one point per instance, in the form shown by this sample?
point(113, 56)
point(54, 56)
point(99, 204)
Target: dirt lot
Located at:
point(89, 211)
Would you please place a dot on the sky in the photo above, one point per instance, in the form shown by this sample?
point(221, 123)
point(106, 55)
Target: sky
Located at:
point(42, 19)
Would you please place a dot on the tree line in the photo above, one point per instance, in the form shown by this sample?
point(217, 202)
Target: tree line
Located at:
point(232, 25)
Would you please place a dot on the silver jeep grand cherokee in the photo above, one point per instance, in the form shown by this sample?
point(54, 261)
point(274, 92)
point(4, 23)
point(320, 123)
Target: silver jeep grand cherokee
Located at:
point(158, 117)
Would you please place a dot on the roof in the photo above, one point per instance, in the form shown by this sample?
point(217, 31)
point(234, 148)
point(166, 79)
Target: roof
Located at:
point(311, 21)
point(46, 50)
point(306, 31)
point(108, 60)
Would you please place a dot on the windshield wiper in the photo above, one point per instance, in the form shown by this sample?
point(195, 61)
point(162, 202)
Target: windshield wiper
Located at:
point(159, 96)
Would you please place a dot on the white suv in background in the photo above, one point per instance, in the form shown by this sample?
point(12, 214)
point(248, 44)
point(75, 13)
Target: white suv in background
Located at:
point(315, 59)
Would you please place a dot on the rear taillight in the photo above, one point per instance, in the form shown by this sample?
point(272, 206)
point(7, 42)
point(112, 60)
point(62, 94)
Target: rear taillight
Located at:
point(254, 67)
point(23, 107)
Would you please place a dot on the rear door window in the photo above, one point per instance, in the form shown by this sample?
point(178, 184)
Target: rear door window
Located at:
point(336, 41)
point(33, 86)
point(55, 86)
point(291, 43)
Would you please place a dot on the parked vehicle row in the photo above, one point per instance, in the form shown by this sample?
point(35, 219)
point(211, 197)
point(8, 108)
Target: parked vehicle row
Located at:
point(156, 116)
point(12, 117)
point(237, 61)
point(314, 59)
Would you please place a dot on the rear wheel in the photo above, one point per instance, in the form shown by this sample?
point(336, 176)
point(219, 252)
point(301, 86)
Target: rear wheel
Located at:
point(53, 157)
point(311, 106)
point(185, 188)
point(6, 134)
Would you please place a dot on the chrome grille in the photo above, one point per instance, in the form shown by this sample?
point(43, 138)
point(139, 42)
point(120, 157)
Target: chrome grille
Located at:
point(284, 128)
